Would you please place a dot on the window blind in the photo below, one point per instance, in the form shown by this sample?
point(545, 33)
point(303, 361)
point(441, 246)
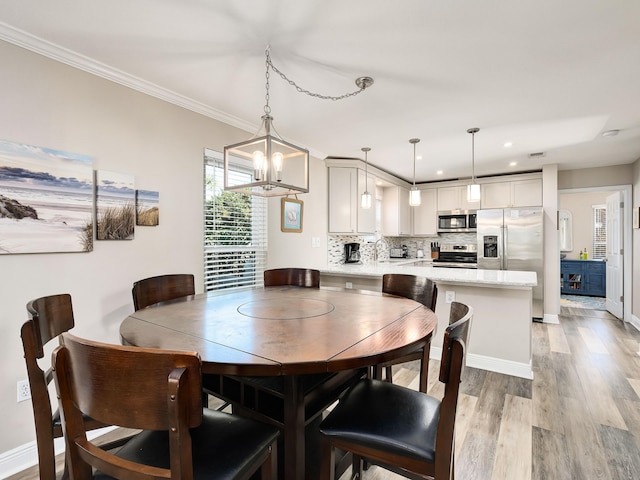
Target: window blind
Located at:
point(599, 243)
point(235, 229)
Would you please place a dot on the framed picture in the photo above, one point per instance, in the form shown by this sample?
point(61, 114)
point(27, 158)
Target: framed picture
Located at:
point(147, 208)
point(291, 215)
point(46, 200)
point(115, 206)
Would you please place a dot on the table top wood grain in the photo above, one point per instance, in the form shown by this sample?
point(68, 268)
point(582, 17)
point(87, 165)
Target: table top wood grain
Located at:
point(284, 330)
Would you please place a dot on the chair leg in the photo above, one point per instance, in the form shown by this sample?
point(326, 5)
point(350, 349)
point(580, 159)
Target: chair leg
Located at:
point(269, 469)
point(389, 374)
point(424, 369)
point(356, 467)
point(328, 463)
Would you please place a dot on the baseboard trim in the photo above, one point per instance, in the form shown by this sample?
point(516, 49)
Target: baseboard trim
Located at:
point(26, 456)
point(551, 318)
point(506, 367)
point(635, 321)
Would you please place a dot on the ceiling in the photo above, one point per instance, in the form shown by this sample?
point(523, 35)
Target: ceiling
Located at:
point(550, 77)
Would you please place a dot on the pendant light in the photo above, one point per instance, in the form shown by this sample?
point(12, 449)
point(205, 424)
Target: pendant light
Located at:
point(473, 189)
point(279, 167)
point(366, 196)
point(414, 193)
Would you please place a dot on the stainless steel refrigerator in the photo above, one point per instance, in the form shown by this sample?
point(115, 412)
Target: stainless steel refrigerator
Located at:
point(512, 239)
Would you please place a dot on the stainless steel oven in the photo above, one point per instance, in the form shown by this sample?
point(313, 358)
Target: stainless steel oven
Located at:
point(457, 256)
point(457, 221)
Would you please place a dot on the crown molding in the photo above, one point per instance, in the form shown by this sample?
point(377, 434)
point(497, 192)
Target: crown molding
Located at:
point(55, 52)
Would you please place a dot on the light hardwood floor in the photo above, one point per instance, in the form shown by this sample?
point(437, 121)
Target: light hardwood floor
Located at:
point(579, 418)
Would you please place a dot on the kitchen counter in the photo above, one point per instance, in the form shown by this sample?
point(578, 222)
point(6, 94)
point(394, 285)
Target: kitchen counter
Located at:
point(501, 328)
point(424, 268)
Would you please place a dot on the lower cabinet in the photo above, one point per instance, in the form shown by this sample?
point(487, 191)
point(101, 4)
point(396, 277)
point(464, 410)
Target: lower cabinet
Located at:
point(583, 277)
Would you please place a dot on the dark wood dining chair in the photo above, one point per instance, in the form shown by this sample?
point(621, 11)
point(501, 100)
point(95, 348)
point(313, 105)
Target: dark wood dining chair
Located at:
point(299, 277)
point(416, 440)
point(421, 290)
point(161, 289)
point(50, 316)
point(157, 392)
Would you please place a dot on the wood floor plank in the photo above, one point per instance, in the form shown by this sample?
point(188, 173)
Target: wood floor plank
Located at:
point(585, 452)
point(592, 341)
point(475, 460)
point(550, 459)
point(546, 402)
point(513, 450)
point(557, 339)
point(621, 451)
point(599, 399)
point(635, 384)
point(464, 414)
point(488, 412)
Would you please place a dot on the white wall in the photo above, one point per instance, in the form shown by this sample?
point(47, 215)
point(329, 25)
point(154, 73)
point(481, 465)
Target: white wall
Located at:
point(581, 207)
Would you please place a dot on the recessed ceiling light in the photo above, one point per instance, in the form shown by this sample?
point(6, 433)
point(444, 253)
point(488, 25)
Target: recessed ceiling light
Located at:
point(513, 164)
point(419, 157)
point(508, 144)
point(439, 172)
point(610, 133)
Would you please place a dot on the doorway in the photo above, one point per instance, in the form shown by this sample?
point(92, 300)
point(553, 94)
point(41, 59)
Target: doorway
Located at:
point(586, 206)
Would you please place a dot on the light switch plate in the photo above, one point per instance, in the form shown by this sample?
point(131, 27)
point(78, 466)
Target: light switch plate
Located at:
point(450, 296)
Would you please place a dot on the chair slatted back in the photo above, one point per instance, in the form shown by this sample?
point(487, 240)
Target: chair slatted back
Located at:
point(130, 387)
point(300, 277)
point(161, 289)
point(416, 288)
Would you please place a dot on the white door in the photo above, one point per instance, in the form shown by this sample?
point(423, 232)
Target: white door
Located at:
point(614, 255)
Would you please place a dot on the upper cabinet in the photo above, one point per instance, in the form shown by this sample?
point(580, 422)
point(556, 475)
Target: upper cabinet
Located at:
point(396, 212)
point(425, 216)
point(517, 193)
point(346, 215)
point(455, 198)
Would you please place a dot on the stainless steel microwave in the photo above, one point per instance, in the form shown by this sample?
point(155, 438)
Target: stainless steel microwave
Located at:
point(457, 221)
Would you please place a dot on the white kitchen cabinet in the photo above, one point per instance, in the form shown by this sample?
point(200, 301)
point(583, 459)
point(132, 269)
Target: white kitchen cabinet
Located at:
point(455, 198)
point(345, 212)
point(518, 193)
point(425, 216)
point(396, 212)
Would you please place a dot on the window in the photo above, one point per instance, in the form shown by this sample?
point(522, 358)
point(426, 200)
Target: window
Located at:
point(235, 229)
point(599, 246)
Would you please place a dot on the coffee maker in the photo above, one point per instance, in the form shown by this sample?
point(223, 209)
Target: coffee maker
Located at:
point(351, 252)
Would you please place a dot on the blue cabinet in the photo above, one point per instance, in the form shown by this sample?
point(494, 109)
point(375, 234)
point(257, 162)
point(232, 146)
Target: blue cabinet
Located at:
point(583, 277)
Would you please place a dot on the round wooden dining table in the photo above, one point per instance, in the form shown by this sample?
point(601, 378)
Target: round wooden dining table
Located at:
point(290, 337)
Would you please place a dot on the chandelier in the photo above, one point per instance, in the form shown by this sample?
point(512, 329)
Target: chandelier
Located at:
point(278, 167)
point(414, 193)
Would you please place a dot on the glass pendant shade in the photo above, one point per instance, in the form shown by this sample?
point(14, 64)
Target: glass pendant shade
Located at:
point(414, 197)
point(414, 193)
point(278, 167)
point(365, 200)
point(473, 192)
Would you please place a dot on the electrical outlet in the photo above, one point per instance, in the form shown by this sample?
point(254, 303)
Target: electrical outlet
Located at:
point(24, 390)
point(450, 296)
point(349, 285)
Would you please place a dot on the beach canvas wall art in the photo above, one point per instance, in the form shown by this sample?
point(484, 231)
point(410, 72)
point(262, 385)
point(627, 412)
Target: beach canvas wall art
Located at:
point(147, 208)
point(46, 200)
point(115, 206)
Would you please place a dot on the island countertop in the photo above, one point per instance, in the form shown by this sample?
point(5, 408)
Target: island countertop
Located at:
point(478, 277)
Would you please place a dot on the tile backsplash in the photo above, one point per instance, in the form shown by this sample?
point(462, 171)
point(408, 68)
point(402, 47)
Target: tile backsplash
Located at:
point(368, 245)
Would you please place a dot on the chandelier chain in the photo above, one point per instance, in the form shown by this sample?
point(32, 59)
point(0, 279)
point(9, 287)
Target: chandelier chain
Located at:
point(302, 90)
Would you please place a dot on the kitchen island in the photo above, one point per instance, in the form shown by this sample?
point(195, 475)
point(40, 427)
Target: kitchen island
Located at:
point(500, 339)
